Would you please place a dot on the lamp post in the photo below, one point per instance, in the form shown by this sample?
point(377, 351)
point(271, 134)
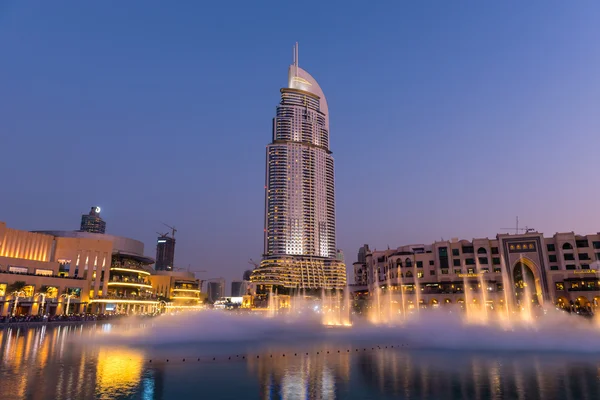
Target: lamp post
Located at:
point(43, 301)
point(16, 295)
point(68, 297)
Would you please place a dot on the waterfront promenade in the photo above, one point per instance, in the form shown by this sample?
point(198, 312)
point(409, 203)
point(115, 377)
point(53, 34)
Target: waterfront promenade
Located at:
point(36, 321)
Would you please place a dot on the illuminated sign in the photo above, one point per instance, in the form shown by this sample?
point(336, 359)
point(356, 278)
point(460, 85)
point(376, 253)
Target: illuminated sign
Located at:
point(45, 272)
point(98, 210)
point(521, 247)
point(585, 271)
point(162, 241)
point(473, 275)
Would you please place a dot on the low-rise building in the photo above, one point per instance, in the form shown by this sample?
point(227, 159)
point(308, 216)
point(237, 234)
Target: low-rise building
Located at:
point(179, 290)
point(562, 269)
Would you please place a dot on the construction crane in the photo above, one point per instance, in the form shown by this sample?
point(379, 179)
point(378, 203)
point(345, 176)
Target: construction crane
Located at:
point(162, 234)
point(254, 263)
point(172, 228)
point(517, 229)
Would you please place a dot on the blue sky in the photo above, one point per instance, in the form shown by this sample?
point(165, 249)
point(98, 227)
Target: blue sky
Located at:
point(448, 118)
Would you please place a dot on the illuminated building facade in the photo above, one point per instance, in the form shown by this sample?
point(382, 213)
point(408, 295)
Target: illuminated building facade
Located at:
point(563, 269)
point(299, 234)
point(92, 222)
point(119, 278)
point(57, 272)
point(179, 289)
point(40, 273)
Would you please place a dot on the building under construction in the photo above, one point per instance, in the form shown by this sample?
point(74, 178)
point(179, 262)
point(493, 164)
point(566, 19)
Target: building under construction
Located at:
point(165, 251)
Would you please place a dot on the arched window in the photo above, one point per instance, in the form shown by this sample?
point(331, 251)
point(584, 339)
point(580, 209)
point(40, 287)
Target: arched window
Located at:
point(398, 263)
point(481, 250)
point(409, 274)
point(567, 246)
point(408, 263)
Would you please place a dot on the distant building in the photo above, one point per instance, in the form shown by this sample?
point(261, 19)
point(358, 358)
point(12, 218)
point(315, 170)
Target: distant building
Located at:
point(339, 255)
point(215, 290)
point(165, 253)
point(237, 288)
point(92, 222)
point(360, 267)
point(247, 274)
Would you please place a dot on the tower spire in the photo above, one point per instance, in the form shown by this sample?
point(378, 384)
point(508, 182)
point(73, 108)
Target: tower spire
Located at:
point(296, 58)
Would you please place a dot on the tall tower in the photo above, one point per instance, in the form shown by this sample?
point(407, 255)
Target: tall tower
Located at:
point(92, 222)
point(299, 234)
point(165, 253)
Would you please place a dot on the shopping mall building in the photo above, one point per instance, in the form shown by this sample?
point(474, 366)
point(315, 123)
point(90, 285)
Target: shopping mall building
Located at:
point(562, 269)
point(72, 272)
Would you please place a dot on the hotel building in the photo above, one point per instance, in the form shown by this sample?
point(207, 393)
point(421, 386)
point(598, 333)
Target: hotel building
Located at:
point(299, 234)
point(562, 269)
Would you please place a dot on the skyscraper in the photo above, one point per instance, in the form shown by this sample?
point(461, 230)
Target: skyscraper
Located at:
point(299, 234)
point(92, 222)
point(165, 253)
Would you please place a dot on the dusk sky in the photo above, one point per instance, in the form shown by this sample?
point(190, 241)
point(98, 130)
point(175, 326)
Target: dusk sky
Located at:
point(448, 118)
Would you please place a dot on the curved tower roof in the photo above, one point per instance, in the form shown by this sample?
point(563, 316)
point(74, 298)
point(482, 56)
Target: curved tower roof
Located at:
point(302, 80)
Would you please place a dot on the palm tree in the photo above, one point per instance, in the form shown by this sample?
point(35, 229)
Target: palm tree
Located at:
point(16, 286)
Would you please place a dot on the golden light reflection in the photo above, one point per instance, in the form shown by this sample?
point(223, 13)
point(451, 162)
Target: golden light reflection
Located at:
point(118, 369)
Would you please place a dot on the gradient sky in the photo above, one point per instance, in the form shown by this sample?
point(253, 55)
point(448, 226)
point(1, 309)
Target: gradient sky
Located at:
point(448, 118)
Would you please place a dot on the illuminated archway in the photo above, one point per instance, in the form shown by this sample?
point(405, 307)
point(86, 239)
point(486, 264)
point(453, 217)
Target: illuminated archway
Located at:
point(582, 301)
point(562, 302)
point(526, 281)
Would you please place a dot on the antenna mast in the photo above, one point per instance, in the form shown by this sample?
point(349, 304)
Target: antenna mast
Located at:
point(296, 57)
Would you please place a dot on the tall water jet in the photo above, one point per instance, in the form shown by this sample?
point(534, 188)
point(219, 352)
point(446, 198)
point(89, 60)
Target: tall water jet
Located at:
point(390, 299)
point(468, 299)
point(400, 280)
point(347, 307)
point(417, 286)
point(506, 288)
point(525, 299)
point(482, 283)
point(374, 314)
point(271, 304)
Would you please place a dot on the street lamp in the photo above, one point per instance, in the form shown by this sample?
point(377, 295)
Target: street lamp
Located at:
point(43, 301)
point(16, 295)
point(68, 297)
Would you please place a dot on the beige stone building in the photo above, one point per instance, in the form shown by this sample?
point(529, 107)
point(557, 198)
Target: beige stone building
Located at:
point(42, 273)
point(562, 269)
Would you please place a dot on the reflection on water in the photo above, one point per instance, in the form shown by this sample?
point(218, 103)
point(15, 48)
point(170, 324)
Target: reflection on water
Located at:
point(66, 362)
point(47, 363)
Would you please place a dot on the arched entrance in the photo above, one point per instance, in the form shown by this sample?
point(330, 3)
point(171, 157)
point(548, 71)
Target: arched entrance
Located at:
point(562, 303)
point(525, 283)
